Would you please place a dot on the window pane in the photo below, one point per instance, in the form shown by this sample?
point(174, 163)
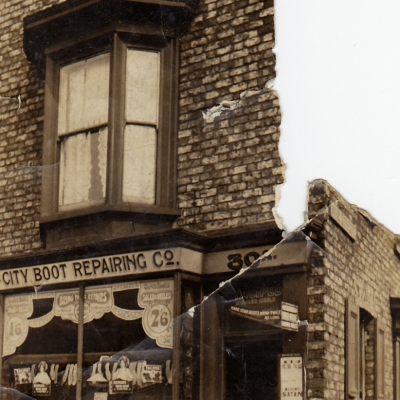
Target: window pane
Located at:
point(142, 86)
point(83, 168)
point(125, 327)
point(139, 176)
point(40, 344)
point(83, 98)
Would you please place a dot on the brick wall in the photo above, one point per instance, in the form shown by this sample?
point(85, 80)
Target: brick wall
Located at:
point(20, 132)
point(366, 270)
point(229, 166)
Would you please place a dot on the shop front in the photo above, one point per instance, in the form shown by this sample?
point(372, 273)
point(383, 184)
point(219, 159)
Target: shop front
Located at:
point(114, 324)
point(91, 341)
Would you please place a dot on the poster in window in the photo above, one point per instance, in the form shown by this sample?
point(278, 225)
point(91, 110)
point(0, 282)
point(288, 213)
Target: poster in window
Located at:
point(122, 377)
point(22, 376)
point(151, 374)
point(41, 383)
point(291, 377)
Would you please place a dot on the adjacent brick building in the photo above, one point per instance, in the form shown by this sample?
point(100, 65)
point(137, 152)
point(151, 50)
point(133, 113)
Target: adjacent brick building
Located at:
point(139, 167)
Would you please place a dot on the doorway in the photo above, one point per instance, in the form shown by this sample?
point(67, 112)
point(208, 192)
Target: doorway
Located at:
point(252, 369)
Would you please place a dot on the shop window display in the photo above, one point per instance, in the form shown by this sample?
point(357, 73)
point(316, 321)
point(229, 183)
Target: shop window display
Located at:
point(127, 341)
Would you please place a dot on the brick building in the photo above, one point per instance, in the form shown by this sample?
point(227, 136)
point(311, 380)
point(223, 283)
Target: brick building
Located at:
point(324, 300)
point(139, 168)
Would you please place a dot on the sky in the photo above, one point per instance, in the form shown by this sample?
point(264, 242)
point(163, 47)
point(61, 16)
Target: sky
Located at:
point(338, 80)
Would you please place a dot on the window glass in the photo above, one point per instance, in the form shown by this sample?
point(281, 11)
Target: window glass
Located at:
point(40, 345)
point(83, 166)
point(127, 341)
point(142, 86)
point(84, 92)
point(139, 173)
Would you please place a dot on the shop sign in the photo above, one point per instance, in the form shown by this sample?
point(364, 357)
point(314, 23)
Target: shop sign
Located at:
point(264, 304)
point(286, 317)
point(130, 264)
point(261, 304)
point(291, 377)
point(155, 297)
point(233, 260)
point(92, 268)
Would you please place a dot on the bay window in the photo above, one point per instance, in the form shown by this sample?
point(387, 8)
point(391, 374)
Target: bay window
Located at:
point(110, 116)
point(108, 139)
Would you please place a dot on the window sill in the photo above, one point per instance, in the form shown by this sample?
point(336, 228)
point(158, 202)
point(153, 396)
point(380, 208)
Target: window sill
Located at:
point(139, 209)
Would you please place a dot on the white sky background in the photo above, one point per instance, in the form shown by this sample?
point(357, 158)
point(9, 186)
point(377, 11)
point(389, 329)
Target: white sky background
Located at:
point(338, 80)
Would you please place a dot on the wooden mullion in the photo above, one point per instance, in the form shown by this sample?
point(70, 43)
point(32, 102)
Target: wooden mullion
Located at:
point(80, 342)
point(116, 121)
point(50, 169)
point(166, 151)
point(176, 356)
point(173, 132)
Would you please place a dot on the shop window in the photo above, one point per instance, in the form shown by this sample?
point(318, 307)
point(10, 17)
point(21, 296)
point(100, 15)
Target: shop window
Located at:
point(126, 335)
point(364, 355)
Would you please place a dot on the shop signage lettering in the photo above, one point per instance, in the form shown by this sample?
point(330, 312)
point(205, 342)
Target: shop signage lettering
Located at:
point(266, 315)
point(101, 267)
point(237, 261)
point(130, 264)
point(261, 304)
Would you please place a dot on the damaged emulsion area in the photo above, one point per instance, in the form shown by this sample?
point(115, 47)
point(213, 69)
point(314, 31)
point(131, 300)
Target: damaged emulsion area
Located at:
point(256, 326)
point(235, 152)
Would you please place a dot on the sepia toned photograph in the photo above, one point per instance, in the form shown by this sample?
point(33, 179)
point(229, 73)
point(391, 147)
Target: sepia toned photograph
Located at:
point(142, 254)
